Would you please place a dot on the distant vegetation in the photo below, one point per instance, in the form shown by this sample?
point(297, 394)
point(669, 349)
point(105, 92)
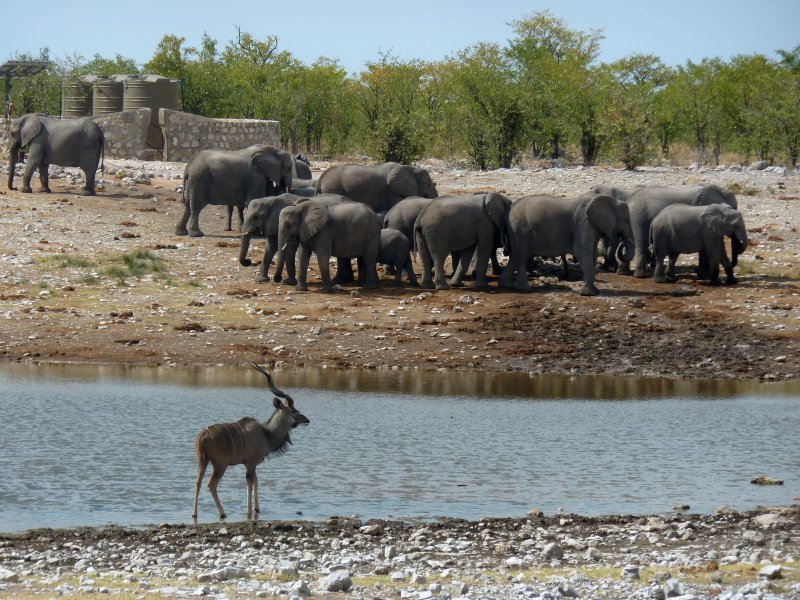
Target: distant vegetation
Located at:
point(544, 94)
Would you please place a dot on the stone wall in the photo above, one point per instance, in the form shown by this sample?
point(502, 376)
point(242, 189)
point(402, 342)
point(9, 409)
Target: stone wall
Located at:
point(185, 134)
point(125, 134)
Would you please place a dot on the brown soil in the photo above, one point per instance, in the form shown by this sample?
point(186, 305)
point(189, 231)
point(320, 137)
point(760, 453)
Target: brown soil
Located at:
point(205, 309)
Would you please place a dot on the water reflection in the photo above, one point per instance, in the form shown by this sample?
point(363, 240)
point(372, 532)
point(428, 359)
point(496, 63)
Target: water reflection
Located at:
point(421, 382)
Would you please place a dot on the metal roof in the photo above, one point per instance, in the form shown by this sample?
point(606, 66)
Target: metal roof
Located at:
point(20, 68)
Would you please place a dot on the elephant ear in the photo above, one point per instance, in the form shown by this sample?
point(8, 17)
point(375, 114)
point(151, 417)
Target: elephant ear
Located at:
point(31, 126)
point(313, 219)
point(602, 214)
point(713, 194)
point(714, 220)
point(402, 182)
point(496, 206)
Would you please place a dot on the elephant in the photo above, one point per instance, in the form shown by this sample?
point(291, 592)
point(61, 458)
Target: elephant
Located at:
point(467, 224)
point(551, 226)
point(380, 186)
point(302, 179)
point(395, 250)
point(610, 246)
point(346, 230)
point(232, 177)
point(681, 229)
point(645, 203)
point(262, 216)
point(403, 215)
point(67, 143)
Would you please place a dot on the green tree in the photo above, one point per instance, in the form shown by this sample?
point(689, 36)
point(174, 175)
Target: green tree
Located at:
point(629, 117)
point(388, 94)
point(553, 62)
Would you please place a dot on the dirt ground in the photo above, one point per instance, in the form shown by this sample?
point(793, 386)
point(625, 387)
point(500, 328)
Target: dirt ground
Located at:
point(66, 294)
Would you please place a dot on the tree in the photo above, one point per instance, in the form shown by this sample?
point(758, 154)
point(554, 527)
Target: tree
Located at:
point(629, 118)
point(388, 93)
point(553, 62)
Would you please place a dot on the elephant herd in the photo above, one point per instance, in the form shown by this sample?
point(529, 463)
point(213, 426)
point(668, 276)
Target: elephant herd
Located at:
point(382, 214)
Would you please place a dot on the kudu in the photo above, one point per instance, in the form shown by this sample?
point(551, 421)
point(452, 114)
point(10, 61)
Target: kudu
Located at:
point(246, 442)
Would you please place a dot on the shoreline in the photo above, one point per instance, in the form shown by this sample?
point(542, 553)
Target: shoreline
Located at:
point(617, 556)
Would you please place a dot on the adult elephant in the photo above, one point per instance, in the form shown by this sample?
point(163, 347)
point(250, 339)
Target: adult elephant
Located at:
point(380, 186)
point(403, 215)
point(66, 143)
point(465, 224)
point(645, 203)
point(550, 226)
point(233, 178)
point(681, 229)
point(347, 230)
point(609, 247)
point(262, 216)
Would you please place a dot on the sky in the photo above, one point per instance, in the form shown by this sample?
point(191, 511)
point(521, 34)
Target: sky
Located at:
point(357, 31)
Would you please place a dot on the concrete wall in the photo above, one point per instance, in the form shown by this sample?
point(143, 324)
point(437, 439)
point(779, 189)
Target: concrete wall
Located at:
point(185, 134)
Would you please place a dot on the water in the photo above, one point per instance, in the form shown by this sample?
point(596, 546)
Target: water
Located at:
point(98, 445)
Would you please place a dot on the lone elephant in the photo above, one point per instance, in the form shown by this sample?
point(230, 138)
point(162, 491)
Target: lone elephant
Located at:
point(232, 178)
point(66, 143)
point(380, 186)
point(681, 229)
point(645, 203)
point(465, 224)
point(551, 226)
point(346, 230)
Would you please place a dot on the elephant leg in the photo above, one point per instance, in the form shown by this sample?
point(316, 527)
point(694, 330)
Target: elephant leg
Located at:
point(180, 229)
point(659, 275)
point(194, 218)
point(587, 263)
point(344, 271)
point(27, 174)
point(703, 270)
point(228, 222)
point(269, 253)
point(305, 258)
point(670, 276)
point(241, 216)
point(641, 260)
point(427, 262)
point(730, 279)
point(44, 177)
point(497, 270)
point(324, 260)
point(369, 265)
point(409, 269)
point(291, 268)
point(483, 255)
point(462, 267)
point(90, 172)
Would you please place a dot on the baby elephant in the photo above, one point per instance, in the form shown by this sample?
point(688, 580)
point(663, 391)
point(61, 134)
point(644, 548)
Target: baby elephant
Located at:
point(395, 250)
point(683, 229)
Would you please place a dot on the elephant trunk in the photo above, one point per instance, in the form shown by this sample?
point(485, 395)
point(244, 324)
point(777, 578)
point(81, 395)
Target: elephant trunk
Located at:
point(738, 245)
point(13, 159)
point(625, 250)
point(243, 248)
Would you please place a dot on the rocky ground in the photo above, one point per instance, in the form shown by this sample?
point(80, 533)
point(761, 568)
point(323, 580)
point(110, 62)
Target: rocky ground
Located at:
point(725, 556)
point(105, 280)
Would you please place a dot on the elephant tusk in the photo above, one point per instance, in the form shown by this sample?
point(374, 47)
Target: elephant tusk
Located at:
point(283, 249)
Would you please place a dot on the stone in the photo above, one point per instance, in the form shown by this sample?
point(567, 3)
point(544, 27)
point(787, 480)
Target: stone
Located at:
point(515, 563)
point(630, 572)
point(459, 588)
point(759, 165)
point(754, 537)
point(466, 299)
point(685, 290)
point(552, 551)
point(300, 588)
point(762, 480)
point(768, 519)
point(338, 581)
point(287, 568)
point(673, 588)
point(593, 554)
point(8, 576)
point(770, 572)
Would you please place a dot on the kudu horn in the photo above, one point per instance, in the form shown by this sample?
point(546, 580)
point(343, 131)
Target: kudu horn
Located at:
point(275, 390)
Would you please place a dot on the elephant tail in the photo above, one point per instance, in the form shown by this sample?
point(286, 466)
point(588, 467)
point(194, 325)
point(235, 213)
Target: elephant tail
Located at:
point(102, 153)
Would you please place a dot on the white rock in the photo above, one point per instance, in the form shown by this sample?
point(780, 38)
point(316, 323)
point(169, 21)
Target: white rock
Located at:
point(8, 576)
point(552, 551)
point(770, 572)
point(516, 563)
point(338, 581)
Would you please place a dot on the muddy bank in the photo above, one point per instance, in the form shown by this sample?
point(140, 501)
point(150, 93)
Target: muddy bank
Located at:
point(66, 294)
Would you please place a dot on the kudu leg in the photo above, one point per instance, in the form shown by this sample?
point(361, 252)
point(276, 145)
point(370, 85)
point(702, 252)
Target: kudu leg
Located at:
point(201, 471)
point(212, 486)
